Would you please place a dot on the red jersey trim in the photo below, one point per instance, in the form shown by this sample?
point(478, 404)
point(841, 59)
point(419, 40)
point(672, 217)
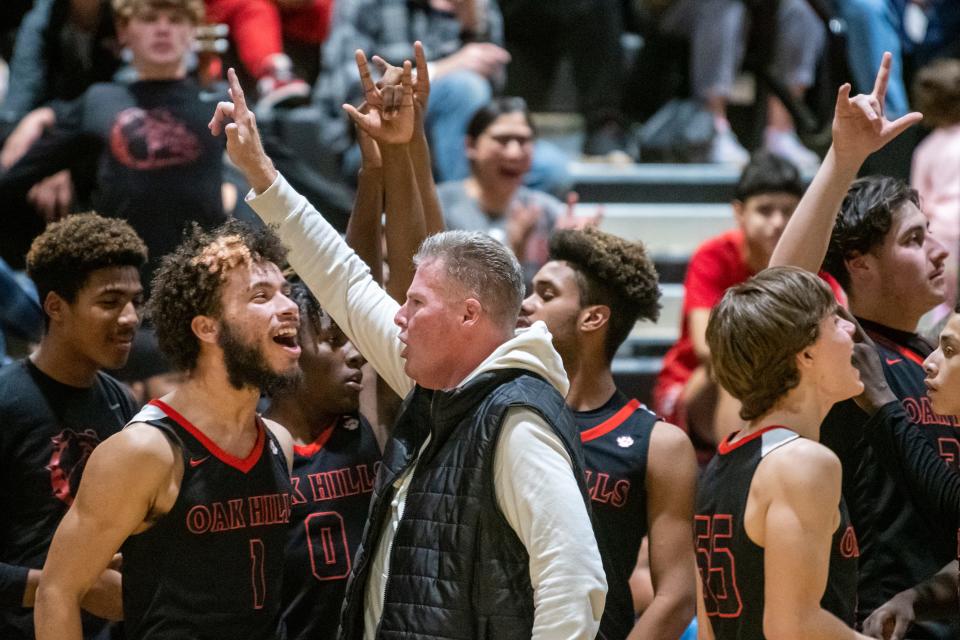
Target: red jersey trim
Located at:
point(726, 446)
point(611, 423)
point(307, 450)
point(909, 354)
point(241, 464)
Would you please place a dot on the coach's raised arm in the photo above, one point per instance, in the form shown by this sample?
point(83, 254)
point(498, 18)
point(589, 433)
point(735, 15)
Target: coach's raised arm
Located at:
point(479, 520)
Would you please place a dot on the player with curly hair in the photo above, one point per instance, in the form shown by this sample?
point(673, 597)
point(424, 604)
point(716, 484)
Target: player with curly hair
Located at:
point(641, 472)
point(57, 405)
point(196, 488)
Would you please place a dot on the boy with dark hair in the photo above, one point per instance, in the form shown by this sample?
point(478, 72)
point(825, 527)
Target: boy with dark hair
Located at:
point(196, 488)
point(335, 461)
point(893, 266)
point(641, 472)
point(57, 405)
point(686, 393)
point(776, 557)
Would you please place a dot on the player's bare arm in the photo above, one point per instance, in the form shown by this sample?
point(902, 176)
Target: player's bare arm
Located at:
point(793, 512)
point(671, 481)
point(130, 480)
point(860, 127)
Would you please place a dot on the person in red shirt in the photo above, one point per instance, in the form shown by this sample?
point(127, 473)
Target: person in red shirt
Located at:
point(685, 393)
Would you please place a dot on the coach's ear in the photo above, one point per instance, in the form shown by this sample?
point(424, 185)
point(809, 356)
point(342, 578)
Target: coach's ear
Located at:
point(206, 329)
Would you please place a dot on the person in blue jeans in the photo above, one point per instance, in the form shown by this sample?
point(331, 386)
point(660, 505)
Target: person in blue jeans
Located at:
point(875, 26)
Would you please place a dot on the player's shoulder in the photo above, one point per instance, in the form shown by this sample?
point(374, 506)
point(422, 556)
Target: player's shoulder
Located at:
point(804, 464)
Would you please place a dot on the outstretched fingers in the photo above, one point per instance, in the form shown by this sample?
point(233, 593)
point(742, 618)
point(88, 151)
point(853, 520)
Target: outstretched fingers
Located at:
point(423, 70)
point(903, 123)
point(366, 80)
point(883, 79)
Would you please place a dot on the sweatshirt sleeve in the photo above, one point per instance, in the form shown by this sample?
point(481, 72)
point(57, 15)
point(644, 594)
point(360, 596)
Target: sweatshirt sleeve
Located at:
point(339, 279)
point(13, 582)
point(539, 497)
point(909, 457)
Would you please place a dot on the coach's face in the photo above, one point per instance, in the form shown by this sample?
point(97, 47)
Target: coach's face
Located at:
point(430, 327)
point(943, 370)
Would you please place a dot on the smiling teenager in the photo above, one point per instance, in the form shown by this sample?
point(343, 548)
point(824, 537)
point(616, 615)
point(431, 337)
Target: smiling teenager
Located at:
point(196, 488)
point(58, 405)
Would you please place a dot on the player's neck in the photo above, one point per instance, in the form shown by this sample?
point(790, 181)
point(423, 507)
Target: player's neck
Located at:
point(889, 315)
point(802, 410)
point(57, 360)
point(304, 422)
point(590, 386)
point(213, 405)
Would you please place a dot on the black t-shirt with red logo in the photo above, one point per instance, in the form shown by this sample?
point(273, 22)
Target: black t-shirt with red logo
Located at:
point(731, 565)
point(158, 167)
point(47, 431)
point(899, 546)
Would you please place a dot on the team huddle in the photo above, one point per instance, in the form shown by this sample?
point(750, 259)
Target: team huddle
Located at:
point(517, 485)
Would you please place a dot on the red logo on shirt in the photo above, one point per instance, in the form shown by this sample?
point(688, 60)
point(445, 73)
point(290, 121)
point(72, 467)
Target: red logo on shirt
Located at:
point(70, 452)
point(849, 548)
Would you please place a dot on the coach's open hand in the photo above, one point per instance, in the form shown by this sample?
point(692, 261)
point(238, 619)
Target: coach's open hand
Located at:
point(243, 139)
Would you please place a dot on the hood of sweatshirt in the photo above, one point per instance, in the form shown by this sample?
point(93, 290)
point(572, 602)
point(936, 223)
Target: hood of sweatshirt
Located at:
point(531, 348)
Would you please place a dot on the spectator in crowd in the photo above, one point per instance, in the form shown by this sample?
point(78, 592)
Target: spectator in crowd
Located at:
point(880, 248)
point(499, 143)
point(58, 405)
point(876, 26)
point(258, 29)
point(717, 31)
point(464, 40)
point(20, 312)
point(538, 540)
point(936, 162)
point(538, 34)
point(158, 167)
point(641, 471)
point(686, 392)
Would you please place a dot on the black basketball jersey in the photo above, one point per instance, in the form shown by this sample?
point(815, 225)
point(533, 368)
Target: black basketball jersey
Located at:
point(616, 438)
point(899, 547)
point(332, 484)
point(731, 565)
point(212, 566)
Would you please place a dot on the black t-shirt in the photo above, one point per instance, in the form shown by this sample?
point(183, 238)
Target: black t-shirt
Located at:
point(47, 432)
point(211, 567)
point(731, 565)
point(332, 484)
point(616, 439)
point(159, 168)
point(899, 546)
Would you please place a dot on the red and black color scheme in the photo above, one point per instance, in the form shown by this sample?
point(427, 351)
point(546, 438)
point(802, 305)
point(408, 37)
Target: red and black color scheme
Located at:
point(47, 432)
point(212, 566)
point(332, 484)
point(731, 565)
point(616, 439)
point(900, 547)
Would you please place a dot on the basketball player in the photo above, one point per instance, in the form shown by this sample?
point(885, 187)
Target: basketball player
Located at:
point(776, 553)
point(58, 405)
point(641, 472)
point(335, 461)
point(881, 251)
point(196, 488)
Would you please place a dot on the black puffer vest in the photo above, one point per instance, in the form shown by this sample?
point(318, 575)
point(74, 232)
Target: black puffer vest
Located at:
point(457, 569)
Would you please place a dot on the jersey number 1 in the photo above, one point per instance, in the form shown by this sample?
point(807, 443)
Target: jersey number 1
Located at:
point(717, 566)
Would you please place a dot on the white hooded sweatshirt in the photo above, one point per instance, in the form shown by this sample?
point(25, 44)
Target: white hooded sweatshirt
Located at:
point(533, 477)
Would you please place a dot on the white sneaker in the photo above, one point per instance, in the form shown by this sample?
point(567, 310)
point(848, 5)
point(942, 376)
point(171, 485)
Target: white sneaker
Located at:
point(726, 149)
point(787, 145)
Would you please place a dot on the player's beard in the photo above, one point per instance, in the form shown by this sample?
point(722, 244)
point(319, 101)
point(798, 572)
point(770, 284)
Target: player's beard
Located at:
point(246, 365)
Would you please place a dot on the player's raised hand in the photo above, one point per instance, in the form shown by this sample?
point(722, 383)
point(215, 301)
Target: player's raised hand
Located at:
point(239, 124)
point(860, 124)
point(395, 128)
point(391, 77)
